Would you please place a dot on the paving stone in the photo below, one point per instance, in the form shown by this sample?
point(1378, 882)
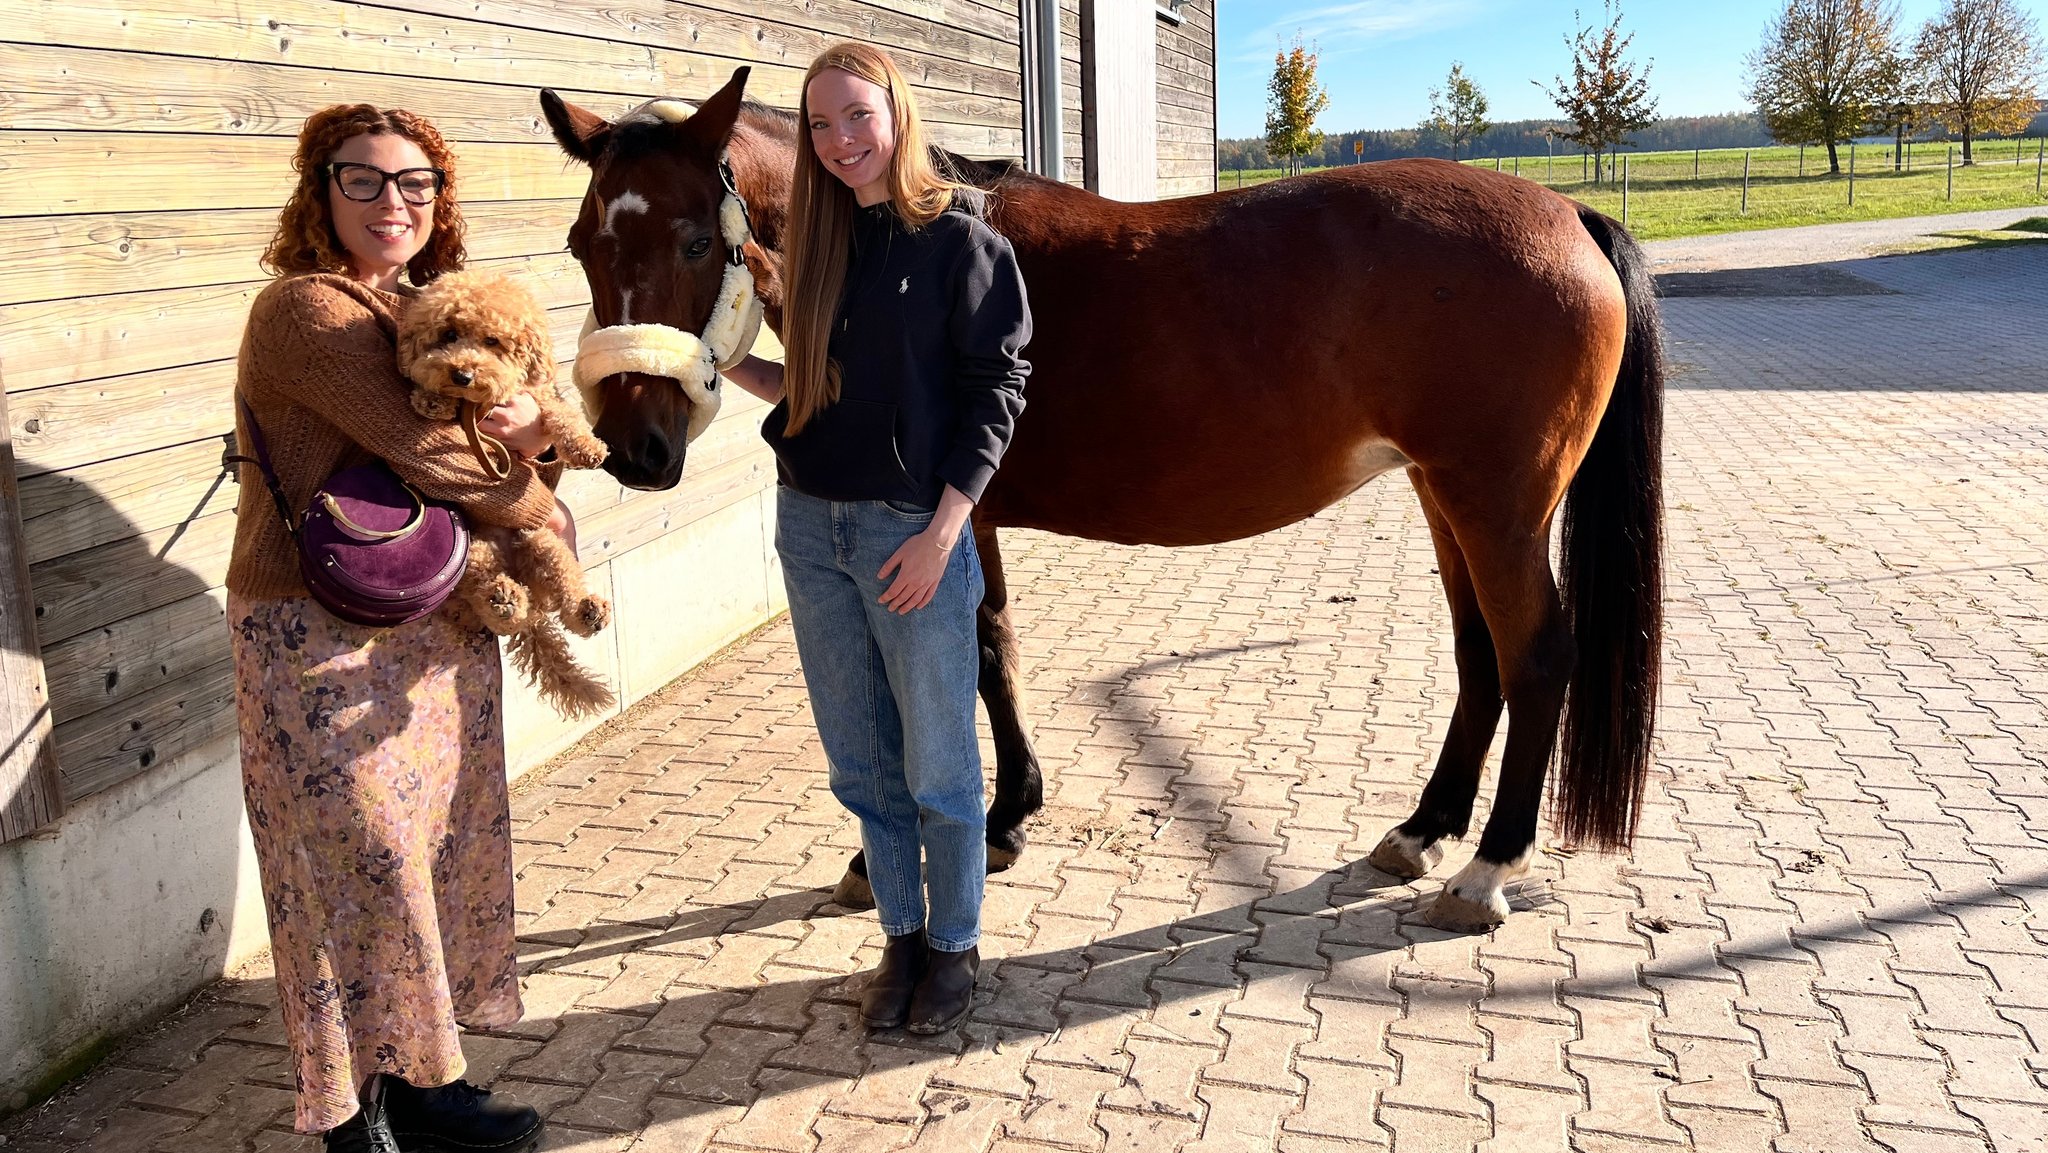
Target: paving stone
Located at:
point(1826, 938)
point(1241, 1120)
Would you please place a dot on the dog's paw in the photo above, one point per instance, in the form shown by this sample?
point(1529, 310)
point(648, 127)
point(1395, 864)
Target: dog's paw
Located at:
point(505, 604)
point(433, 405)
point(589, 615)
point(584, 452)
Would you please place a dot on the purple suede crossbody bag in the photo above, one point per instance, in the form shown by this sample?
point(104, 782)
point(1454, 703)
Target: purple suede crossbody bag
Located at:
point(372, 550)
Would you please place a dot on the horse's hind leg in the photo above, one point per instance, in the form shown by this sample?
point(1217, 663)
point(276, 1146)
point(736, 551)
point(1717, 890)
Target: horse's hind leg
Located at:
point(1020, 788)
point(1411, 848)
point(1509, 567)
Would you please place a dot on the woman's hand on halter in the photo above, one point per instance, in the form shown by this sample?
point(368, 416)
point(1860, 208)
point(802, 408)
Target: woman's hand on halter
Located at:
point(516, 423)
point(921, 561)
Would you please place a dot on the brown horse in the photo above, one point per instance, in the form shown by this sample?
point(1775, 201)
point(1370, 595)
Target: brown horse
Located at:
point(1210, 368)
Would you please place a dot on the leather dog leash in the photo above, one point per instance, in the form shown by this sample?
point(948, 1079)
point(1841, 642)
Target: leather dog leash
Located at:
point(491, 452)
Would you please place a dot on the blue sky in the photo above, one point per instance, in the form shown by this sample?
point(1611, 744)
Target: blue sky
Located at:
point(1381, 57)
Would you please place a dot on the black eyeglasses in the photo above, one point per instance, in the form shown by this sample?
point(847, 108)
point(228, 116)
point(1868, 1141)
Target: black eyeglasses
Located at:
point(365, 182)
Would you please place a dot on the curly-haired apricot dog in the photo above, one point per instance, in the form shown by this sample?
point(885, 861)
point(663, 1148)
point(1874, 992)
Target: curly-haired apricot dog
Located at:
point(478, 338)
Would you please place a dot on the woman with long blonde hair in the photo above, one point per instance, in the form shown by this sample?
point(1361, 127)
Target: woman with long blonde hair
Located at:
point(904, 324)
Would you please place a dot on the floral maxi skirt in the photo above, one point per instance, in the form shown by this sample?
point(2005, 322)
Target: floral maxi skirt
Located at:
point(373, 765)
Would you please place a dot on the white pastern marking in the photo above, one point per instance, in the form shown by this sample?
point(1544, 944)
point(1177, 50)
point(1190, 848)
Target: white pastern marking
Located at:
point(1481, 881)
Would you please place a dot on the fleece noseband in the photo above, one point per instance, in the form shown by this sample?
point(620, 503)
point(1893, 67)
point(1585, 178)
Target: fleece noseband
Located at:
point(692, 361)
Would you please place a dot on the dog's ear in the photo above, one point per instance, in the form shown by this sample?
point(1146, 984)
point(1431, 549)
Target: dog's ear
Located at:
point(540, 356)
point(413, 332)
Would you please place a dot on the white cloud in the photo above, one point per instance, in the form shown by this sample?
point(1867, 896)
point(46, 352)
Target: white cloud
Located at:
point(1342, 28)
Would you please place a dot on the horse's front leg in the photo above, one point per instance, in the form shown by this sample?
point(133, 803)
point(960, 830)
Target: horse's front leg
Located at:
point(1020, 787)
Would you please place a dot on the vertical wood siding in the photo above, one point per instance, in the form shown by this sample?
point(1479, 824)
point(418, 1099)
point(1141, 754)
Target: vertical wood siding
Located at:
point(1187, 101)
point(146, 152)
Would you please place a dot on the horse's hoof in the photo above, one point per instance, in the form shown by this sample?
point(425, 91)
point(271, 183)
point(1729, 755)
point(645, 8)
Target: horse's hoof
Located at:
point(1457, 914)
point(854, 892)
point(1005, 849)
point(1405, 857)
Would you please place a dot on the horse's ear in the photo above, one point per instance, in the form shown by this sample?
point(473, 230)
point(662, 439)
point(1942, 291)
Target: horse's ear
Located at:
point(579, 131)
point(714, 119)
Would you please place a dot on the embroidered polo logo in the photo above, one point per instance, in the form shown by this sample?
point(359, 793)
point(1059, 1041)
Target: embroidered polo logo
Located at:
point(903, 287)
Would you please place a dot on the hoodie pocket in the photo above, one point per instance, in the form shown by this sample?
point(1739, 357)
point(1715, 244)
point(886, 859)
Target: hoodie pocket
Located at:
point(848, 451)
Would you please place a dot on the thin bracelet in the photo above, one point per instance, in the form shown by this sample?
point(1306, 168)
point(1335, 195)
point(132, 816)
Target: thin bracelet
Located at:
point(944, 548)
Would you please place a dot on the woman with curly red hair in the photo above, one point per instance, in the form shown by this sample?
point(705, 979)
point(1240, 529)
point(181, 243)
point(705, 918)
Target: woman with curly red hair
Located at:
point(373, 760)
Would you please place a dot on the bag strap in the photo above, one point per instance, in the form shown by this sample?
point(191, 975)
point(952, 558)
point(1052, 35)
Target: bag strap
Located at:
point(262, 461)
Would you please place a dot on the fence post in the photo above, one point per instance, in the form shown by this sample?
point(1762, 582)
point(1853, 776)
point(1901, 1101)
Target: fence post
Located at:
point(1852, 174)
point(1695, 164)
point(1802, 160)
point(1951, 172)
point(1518, 166)
point(1624, 190)
point(1745, 182)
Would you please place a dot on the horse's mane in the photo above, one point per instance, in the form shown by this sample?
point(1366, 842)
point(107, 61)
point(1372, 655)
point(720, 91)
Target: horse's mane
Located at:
point(982, 174)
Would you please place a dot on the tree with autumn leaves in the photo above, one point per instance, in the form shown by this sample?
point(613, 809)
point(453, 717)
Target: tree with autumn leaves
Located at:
point(1457, 111)
point(1608, 97)
point(1979, 68)
point(1828, 71)
point(1293, 101)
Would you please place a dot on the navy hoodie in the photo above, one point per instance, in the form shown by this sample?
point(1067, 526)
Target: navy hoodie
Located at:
point(929, 339)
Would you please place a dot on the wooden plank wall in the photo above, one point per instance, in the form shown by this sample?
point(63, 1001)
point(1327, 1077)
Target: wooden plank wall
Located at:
point(146, 150)
point(1187, 101)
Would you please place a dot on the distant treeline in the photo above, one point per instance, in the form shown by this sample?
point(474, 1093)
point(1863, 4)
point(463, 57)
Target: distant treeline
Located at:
point(1522, 138)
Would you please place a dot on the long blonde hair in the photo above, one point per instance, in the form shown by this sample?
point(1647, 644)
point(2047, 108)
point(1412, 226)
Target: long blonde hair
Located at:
point(821, 206)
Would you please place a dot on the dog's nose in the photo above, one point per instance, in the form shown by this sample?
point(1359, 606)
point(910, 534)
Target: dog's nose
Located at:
point(461, 378)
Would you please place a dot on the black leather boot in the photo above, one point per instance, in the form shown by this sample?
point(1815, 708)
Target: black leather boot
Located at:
point(369, 1131)
point(946, 992)
point(458, 1118)
point(885, 1003)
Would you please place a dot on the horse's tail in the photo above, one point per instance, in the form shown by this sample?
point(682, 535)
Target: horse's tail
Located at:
point(1614, 575)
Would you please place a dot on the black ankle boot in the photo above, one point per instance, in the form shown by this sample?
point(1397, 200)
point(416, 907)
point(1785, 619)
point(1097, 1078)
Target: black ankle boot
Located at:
point(369, 1131)
point(458, 1118)
point(885, 1003)
point(946, 992)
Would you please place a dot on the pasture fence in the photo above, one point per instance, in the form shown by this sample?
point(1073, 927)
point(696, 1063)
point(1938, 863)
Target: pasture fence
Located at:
point(1698, 190)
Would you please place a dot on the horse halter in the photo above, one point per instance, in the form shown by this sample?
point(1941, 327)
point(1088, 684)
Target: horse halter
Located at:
point(691, 360)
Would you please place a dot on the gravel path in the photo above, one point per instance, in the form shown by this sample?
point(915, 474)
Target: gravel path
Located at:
point(1816, 243)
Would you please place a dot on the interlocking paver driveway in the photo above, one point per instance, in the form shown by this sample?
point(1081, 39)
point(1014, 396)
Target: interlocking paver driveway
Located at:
point(1833, 935)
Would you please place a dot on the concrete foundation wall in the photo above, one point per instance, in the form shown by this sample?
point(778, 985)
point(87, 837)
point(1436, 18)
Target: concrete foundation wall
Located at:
point(145, 892)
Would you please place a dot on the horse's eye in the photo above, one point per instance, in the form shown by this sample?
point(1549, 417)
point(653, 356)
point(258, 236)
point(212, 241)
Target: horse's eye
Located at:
point(490, 342)
point(450, 336)
point(699, 247)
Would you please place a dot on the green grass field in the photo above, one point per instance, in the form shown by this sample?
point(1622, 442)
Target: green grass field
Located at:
point(1666, 200)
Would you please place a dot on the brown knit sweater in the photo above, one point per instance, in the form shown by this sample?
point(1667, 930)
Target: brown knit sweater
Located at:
point(319, 366)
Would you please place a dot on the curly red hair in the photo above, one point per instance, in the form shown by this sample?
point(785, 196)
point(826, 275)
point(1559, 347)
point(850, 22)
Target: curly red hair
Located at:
point(306, 240)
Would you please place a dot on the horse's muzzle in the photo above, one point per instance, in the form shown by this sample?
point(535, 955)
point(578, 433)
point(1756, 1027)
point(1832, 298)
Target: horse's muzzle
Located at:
point(645, 424)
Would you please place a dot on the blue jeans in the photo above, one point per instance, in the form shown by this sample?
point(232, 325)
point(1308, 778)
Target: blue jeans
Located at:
point(894, 699)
